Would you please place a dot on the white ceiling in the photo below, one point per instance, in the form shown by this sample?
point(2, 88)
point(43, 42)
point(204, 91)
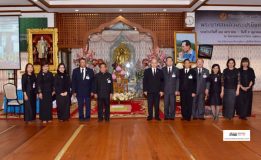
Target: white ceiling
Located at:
point(232, 5)
point(15, 2)
point(94, 9)
point(117, 2)
point(20, 8)
point(228, 8)
point(234, 2)
point(92, 6)
point(17, 6)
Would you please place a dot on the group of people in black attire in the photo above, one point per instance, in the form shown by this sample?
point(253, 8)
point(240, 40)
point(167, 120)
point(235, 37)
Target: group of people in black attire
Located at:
point(45, 86)
point(83, 86)
point(232, 89)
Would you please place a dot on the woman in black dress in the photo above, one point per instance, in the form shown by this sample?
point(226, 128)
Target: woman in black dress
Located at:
point(62, 89)
point(215, 90)
point(45, 91)
point(29, 92)
point(247, 80)
point(231, 85)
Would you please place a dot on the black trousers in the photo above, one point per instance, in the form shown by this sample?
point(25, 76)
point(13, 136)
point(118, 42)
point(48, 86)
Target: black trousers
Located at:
point(153, 100)
point(103, 103)
point(30, 107)
point(186, 100)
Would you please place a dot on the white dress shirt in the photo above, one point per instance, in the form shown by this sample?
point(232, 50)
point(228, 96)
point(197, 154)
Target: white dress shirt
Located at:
point(186, 70)
point(170, 69)
point(154, 70)
point(84, 72)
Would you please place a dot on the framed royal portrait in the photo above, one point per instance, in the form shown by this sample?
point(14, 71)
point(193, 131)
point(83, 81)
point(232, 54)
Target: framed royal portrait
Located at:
point(185, 46)
point(42, 46)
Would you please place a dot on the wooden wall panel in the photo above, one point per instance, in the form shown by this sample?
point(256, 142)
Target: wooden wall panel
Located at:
point(72, 27)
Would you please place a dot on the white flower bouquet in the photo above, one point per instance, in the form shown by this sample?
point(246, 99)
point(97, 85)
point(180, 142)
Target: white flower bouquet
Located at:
point(121, 97)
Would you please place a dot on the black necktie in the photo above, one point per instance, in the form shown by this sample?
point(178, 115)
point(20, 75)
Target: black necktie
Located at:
point(154, 72)
point(199, 72)
point(169, 70)
point(82, 73)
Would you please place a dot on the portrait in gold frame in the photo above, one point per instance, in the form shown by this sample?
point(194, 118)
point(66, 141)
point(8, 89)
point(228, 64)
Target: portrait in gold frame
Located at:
point(42, 46)
point(188, 51)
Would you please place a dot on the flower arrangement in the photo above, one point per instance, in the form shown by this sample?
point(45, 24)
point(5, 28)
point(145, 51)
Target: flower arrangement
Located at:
point(121, 97)
point(160, 55)
point(89, 56)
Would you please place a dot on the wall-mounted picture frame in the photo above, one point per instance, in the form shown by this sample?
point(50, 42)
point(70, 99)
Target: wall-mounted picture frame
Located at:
point(205, 51)
point(42, 46)
point(185, 46)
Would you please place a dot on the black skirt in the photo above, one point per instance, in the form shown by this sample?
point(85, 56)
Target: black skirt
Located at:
point(63, 107)
point(215, 99)
point(46, 106)
point(244, 100)
point(229, 103)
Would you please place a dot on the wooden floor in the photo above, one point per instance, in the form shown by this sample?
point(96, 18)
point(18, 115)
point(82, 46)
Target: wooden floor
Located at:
point(133, 139)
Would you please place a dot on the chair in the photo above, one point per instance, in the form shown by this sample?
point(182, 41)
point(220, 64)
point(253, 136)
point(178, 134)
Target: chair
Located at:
point(11, 98)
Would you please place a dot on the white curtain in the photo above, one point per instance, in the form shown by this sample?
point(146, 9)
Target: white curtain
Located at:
point(101, 43)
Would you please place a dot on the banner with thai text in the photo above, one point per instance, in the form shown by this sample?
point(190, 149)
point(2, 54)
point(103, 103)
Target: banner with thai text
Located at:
point(220, 27)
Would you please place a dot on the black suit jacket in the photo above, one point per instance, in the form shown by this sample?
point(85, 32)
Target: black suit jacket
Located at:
point(80, 86)
point(153, 84)
point(188, 82)
point(61, 83)
point(103, 84)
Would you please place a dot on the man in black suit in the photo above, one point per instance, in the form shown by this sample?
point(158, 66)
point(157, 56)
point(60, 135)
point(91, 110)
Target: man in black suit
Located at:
point(153, 86)
point(103, 92)
point(188, 89)
point(171, 88)
point(82, 88)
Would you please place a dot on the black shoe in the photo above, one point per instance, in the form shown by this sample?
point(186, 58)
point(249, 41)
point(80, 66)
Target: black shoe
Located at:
point(243, 118)
point(188, 119)
point(158, 119)
point(149, 119)
point(182, 119)
point(195, 118)
point(202, 118)
point(166, 118)
point(100, 120)
point(107, 119)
